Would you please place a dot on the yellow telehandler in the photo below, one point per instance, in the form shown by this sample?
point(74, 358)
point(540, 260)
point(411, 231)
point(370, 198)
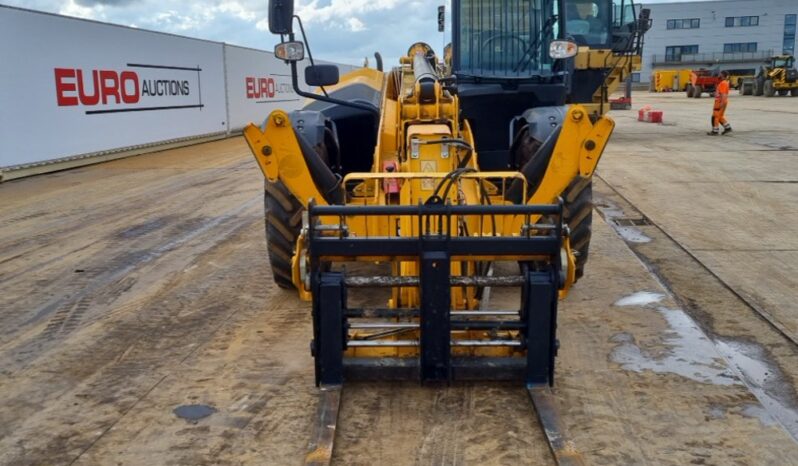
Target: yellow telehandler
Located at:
point(441, 172)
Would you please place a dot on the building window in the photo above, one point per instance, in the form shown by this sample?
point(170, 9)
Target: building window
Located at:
point(739, 47)
point(675, 52)
point(690, 23)
point(736, 21)
point(789, 34)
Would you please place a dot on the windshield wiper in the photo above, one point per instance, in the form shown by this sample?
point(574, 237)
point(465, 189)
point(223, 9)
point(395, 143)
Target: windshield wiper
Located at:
point(531, 52)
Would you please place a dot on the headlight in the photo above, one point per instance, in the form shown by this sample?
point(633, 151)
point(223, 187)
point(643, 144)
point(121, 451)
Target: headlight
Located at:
point(562, 49)
point(290, 51)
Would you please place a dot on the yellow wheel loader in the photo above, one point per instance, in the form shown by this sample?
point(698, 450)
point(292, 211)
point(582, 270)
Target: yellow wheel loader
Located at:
point(439, 173)
point(777, 77)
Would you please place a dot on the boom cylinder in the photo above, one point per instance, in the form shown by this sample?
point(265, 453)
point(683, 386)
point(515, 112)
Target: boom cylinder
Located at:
point(423, 71)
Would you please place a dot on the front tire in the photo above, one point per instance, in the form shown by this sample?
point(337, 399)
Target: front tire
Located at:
point(283, 224)
point(577, 197)
point(759, 87)
point(769, 90)
point(578, 215)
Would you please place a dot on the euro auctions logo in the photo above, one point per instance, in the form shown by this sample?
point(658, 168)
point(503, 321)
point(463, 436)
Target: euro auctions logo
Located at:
point(269, 89)
point(137, 88)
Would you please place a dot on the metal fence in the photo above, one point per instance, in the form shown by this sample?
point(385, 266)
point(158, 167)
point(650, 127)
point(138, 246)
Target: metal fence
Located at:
point(712, 57)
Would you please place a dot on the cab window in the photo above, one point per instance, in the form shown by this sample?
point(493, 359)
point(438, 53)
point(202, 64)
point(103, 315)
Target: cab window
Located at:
point(588, 21)
point(622, 14)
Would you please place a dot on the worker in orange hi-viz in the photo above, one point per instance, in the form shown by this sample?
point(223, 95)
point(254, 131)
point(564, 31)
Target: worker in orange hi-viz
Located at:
point(721, 101)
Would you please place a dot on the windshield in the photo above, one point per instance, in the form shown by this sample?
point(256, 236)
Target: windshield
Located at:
point(587, 21)
point(623, 13)
point(782, 63)
point(504, 38)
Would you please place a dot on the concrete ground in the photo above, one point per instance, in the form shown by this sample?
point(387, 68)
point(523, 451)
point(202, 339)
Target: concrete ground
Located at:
point(132, 289)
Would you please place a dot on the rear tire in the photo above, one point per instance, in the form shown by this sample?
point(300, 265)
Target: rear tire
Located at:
point(794, 92)
point(783, 92)
point(283, 223)
point(768, 89)
point(689, 90)
point(747, 88)
point(578, 199)
point(697, 90)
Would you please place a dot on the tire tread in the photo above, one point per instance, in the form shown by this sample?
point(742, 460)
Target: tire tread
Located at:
point(283, 217)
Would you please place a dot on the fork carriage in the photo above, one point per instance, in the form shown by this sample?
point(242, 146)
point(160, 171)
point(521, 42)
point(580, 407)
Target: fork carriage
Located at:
point(443, 337)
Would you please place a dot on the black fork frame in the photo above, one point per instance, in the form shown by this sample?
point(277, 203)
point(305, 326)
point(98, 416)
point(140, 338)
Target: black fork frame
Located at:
point(435, 248)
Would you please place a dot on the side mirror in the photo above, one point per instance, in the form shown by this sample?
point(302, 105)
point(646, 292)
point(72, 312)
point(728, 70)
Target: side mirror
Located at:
point(321, 75)
point(281, 15)
point(644, 20)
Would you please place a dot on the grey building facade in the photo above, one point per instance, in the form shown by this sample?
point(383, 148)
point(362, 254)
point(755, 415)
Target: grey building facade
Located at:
point(729, 34)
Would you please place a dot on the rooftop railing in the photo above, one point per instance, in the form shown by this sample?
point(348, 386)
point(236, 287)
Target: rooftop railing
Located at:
point(712, 57)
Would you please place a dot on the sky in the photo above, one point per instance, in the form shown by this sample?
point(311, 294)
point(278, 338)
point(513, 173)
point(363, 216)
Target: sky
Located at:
point(344, 31)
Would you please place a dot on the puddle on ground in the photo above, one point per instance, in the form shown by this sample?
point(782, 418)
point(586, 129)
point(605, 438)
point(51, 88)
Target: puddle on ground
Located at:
point(629, 233)
point(692, 354)
point(193, 413)
point(765, 381)
point(759, 412)
point(716, 412)
point(641, 298)
point(608, 209)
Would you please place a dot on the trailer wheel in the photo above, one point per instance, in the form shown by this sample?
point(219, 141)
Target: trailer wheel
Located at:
point(794, 92)
point(697, 90)
point(578, 200)
point(689, 90)
point(783, 92)
point(768, 88)
point(283, 223)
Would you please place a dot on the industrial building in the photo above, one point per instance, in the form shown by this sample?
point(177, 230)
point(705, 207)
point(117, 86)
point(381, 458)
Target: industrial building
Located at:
point(730, 34)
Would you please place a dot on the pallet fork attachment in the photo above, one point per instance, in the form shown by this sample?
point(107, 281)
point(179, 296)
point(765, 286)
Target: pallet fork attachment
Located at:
point(438, 327)
point(535, 326)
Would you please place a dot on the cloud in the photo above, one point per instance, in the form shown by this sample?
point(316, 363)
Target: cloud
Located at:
point(72, 8)
point(355, 25)
point(338, 30)
point(91, 3)
point(238, 10)
point(342, 11)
